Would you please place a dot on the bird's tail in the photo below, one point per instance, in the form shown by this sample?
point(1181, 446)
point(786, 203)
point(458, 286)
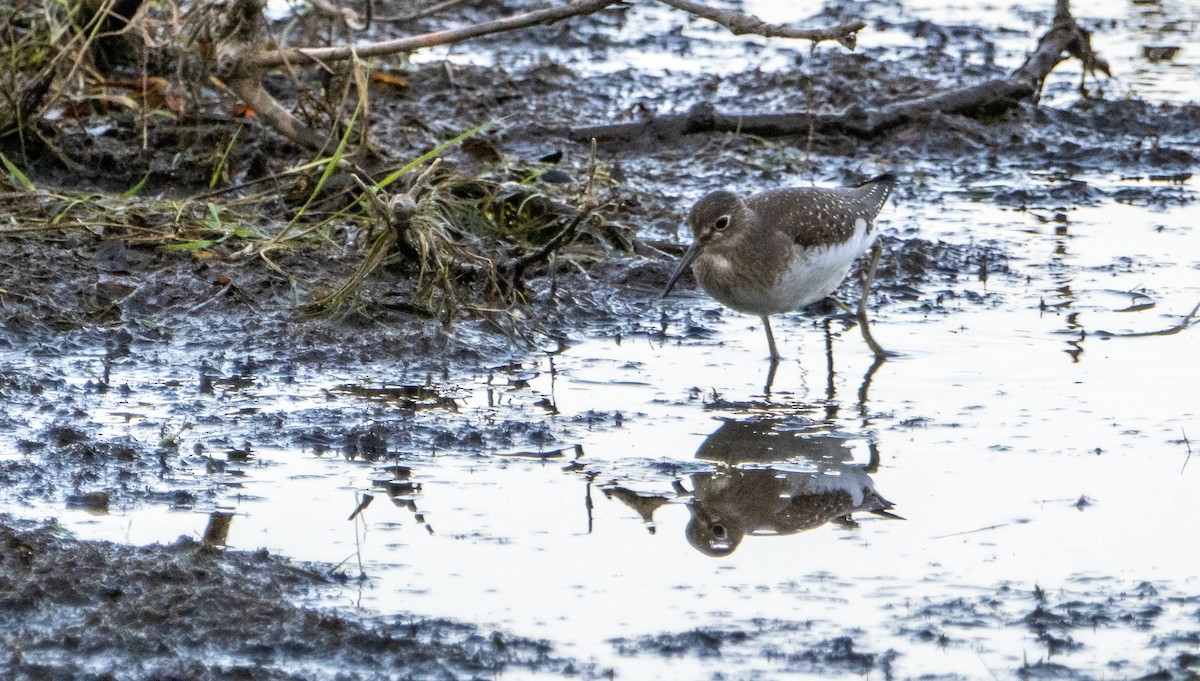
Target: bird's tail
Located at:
point(876, 190)
point(879, 506)
point(887, 178)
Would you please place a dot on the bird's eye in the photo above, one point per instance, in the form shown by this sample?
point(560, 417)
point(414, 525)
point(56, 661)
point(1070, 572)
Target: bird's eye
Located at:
point(718, 531)
point(722, 222)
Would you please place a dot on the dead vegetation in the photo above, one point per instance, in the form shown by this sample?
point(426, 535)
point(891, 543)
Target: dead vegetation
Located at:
point(466, 239)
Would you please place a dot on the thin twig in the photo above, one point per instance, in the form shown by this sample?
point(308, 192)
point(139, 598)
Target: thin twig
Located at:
point(739, 24)
point(343, 14)
point(424, 177)
point(517, 266)
point(981, 529)
point(224, 290)
point(1189, 448)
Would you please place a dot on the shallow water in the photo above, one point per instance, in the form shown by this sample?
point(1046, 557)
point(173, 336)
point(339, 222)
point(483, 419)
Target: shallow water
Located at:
point(1026, 435)
point(991, 425)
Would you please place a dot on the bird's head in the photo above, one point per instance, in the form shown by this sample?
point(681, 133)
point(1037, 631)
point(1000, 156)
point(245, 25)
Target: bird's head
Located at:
point(712, 535)
point(717, 220)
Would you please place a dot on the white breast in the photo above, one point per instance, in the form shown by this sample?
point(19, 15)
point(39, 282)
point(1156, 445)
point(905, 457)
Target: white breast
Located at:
point(812, 274)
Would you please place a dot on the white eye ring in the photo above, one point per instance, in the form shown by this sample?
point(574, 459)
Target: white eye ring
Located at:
point(722, 222)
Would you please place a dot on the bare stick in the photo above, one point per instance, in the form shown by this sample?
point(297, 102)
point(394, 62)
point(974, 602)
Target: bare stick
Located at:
point(739, 24)
point(276, 58)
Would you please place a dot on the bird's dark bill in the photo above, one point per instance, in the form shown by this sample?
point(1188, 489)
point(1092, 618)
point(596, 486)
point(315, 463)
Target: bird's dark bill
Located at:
point(686, 262)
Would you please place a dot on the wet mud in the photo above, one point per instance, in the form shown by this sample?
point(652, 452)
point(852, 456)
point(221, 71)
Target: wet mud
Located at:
point(191, 343)
point(95, 610)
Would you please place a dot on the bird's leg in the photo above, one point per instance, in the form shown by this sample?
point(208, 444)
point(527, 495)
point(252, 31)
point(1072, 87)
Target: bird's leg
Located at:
point(876, 252)
point(770, 378)
point(872, 466)
point(842, 306)
point(865, 387)
point(770, 339)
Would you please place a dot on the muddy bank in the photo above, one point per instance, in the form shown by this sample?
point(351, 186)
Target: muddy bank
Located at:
point(84, 610)
point(80, 610)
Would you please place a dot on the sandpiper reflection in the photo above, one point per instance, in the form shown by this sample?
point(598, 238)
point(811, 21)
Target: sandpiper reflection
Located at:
point(775, 477)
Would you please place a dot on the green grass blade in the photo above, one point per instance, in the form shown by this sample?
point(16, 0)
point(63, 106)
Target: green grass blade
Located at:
point(18, 176)
point(330, 167)
point(244, 232)
point(133, 191)
point(415, 163)
point(195, 245)
point(62, 214)
point(213, 220)
point(216, 174)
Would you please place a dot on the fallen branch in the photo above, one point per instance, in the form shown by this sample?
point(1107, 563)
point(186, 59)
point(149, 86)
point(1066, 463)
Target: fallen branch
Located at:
point(267, 60)
point(983, 99)
point(739, 24)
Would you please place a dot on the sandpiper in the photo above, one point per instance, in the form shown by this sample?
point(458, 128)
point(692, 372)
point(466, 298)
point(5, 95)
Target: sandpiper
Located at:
point(782, 249)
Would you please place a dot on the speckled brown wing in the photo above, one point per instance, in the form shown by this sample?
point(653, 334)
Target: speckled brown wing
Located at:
point(808, 511)
point(814, 217)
